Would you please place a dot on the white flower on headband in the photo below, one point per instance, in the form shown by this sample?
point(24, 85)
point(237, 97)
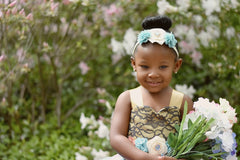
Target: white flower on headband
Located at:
point(157, 35)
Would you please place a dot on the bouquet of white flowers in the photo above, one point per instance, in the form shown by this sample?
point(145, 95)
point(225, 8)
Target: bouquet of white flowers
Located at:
point(205, 133)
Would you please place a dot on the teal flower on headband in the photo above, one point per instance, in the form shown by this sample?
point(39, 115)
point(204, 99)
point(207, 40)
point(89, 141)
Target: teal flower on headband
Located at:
point(143, 37)
point(170, 40)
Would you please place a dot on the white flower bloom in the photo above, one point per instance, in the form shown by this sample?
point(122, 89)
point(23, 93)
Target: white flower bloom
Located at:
point(165, 7)
point(103, 131)
point(213, 19)
point(191, 37)
point(186, 90)
point(228, 110)
point(198, 19)
point(157, 145)
point(181, 30)
point(183, 4)
point(186, 47)
point(116, 58)
point(98, 155)
point(78, 156)
point(213, 133)
point(234, 3)
point(230, 32)
point(83, 121)
point(109, 107)
point(213, 31)
point(125, 47)
point(92, 122)
point(117, 46)
point(213, 110)
point(129, 40)
point(187, 33)
point(224, 104)
point(230, 157)
point(227, 140)
point(211, 6)
point(231, 3)
point(204, 38)
point(88, 121)
point(85, 2)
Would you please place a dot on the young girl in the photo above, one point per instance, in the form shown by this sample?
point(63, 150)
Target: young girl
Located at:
point(153, 108)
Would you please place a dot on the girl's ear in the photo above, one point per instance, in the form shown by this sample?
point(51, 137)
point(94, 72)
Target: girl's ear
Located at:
point(133, 63)
point(177, 65)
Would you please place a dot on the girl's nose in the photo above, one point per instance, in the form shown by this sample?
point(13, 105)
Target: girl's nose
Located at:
point(153, 74)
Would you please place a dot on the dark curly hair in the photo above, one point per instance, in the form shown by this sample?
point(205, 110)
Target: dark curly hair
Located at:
point(163, 22)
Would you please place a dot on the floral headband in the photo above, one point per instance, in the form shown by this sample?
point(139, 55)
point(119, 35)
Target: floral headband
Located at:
point(159, 36)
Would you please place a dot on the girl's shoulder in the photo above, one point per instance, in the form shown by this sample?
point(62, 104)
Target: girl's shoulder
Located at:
point(124, 97)
point(130, 95)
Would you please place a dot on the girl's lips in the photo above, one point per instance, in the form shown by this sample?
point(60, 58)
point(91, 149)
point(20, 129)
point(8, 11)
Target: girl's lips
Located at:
point(153, 84)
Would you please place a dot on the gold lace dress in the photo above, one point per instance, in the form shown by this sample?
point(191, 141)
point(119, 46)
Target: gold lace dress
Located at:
point(147, 123)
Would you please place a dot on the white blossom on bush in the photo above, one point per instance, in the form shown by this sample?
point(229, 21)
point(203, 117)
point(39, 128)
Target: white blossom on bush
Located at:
point(198, 19)
point(129, 40)
point(213, 30)
point(186, 48)
point(230, 32)
point(117, 47)
point(196, 58)
point(232, 3)
point(78, 156)
point(165, 7)
point(103, 131)
point(125, 47)
point(204, 38)
point(183, 4)
point(85, 121)
point(186, 90)
point(98, 155)
point(210, 6)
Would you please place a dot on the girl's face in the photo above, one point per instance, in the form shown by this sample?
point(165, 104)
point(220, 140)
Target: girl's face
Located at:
point(155, 65)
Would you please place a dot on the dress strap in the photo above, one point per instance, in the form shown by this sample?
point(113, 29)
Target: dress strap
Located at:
point(176, 98)
point(136, 96)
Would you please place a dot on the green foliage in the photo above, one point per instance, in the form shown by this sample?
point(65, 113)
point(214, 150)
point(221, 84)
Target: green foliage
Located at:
point(44, 142)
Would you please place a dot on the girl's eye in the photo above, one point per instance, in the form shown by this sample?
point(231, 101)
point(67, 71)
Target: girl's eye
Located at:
point(144, 66)
point(163, 67)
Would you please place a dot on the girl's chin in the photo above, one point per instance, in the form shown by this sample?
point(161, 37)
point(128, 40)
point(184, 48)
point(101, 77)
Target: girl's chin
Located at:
point(153, 89)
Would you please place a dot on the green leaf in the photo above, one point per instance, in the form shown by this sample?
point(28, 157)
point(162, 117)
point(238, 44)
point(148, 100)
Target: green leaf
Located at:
point(172, 139)
point(177, 127)
point(190, 123)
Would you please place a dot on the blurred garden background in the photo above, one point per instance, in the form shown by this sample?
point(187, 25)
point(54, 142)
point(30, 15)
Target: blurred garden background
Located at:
point(63, 64)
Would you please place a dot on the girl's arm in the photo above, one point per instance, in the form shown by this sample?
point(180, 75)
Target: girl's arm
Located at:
point(119, 131)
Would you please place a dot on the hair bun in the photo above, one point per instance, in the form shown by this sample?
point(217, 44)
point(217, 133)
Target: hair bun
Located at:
point(163, 22)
